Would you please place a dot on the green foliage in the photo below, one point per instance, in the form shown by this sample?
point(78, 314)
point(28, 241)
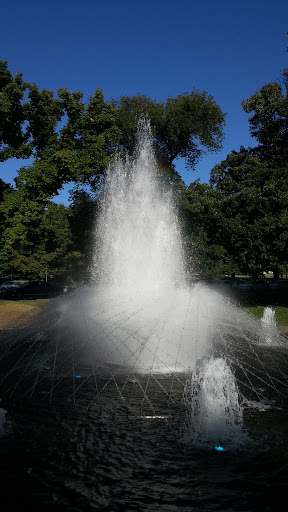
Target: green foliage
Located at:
point(71, 141)
point(34, 236)
point(79, 152)
point(43, 112)
point(13, 140)
point(269, 122)
point(237, 222)
point(192, 122)
point(254, 198)
point(203, 219)
point(87, 140)
point(181, 127)
point(82, 215)
point(4, 188)
point(245, 225)
point(129, 109)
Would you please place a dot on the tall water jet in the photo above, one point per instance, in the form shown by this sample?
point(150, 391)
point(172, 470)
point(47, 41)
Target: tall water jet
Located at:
point(137, 234)
point(141, 312)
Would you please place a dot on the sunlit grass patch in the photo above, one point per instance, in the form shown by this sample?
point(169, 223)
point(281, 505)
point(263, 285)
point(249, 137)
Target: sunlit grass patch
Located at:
point(12, 311)
point(280, 311)
point(37, 303)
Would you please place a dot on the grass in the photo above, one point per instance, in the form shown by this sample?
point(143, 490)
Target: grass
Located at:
point(11, 311)
point(36, 303)
point(280, 311)
point(14, 311)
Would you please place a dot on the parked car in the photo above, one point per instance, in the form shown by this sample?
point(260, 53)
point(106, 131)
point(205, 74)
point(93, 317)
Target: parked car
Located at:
point(37, 289)
point(31, 289)
point(9, 289)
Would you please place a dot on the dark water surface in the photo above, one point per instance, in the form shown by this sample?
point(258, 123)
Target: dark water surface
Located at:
point(79, 451)
point(70, 458)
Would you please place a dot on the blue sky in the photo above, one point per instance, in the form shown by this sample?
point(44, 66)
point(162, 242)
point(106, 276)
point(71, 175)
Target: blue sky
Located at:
point(158, 48)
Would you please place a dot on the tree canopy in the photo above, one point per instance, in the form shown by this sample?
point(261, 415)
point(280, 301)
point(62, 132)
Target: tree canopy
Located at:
point(70, 140)
point(254, 199)
point(186, 126)
point(13, 138)
point(237, 222)
point(269, 122)
point(253, 186)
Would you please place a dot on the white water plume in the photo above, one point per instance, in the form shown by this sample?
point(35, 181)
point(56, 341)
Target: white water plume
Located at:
point(213, 411)
point(138, 234)
point(141, 313)
point(269, 327)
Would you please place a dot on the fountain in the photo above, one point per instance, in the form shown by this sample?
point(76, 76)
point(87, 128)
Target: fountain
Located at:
point(139, 323)
point(123, 394)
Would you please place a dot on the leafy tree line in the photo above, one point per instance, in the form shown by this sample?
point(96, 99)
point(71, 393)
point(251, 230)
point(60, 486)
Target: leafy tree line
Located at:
point(239, 221)
point(69, 140)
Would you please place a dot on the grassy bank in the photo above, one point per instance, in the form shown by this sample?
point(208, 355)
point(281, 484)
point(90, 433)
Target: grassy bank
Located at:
point(18, 312)
point(281, 313)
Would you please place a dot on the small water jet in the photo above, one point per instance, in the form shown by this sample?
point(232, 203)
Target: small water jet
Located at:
point(213, 410)
point(269, 327)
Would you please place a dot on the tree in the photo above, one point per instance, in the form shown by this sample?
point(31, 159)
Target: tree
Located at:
point(82, 215)
point(70, 140)
point(30, 126)
point(269, 125)
point(42, 112)
point(21, 219)
point(185, 126)
point(203, 220)
point(79, 152)
point(269, 122)
point(87, 140)
point(4, 187)
point(34, 236)
point(28, 117)
point(254, 211)
point(13, 139)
